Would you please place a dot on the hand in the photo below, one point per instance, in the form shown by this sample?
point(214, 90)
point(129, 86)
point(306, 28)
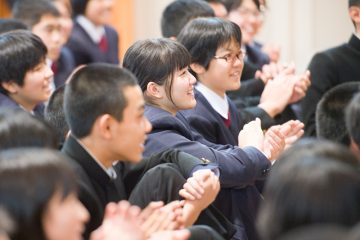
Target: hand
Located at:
point(272, 70)
point(156, 217)
point(121, 221)
point(296, 131)
point(302, 83)
point(276, 94)
point(193, 188)
point(193, 208)
point(273, 51)
point(252, 135)
point(171, 235)
point(274, 142)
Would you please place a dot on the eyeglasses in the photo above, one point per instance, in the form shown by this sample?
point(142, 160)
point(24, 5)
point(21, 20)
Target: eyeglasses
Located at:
point(231, 57)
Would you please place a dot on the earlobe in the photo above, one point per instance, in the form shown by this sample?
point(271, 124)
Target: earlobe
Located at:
point(11, 87)
point(354, 13)
point(197, 68)
point(104, 126)
point(153, 90)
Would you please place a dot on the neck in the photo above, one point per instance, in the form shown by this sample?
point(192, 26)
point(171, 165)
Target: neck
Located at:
point(98, 150)
point(25, 104)
point(218, 92)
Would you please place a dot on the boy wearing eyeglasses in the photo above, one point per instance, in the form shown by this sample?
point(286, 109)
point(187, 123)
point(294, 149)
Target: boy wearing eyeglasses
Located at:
point(217, 63)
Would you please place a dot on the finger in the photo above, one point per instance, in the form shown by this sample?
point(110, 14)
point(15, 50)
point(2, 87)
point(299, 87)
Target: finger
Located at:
point(151, 207)
point(183, 193)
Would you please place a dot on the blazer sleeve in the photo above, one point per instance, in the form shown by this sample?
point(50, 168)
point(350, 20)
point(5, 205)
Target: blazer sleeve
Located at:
point(238, 167)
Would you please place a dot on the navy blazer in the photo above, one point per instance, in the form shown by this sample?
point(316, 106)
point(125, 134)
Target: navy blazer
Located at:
point(206, 121)
point(86, 51)
point(7, 102)
point(329, 69)
point(240, 168)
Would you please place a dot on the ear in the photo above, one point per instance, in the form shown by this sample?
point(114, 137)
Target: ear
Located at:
point(103, 126)
point(197, 68)
point(153, 90)
point(354, 13)
point(11, 87)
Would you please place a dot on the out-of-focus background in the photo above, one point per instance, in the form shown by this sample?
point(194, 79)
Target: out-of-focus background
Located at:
point(300, 27)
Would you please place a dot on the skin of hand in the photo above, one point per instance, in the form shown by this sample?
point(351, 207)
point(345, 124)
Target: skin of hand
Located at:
point(273, 51)
point(168, 217)
point(252, 135)
point(121, 221)
point(295, 133)
point(274, 142)
point(302, 83)
point(272, 70)
point(276, 94)
point(171, 235)
point(193, 208)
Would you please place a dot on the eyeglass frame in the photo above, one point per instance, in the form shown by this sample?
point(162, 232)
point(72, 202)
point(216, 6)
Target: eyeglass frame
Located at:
point(231, 57)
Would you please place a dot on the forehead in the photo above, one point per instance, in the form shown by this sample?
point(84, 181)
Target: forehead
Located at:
point(47, 20)
point(231, 45)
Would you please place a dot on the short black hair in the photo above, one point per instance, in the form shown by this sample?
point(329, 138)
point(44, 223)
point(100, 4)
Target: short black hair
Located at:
point(9, 24)
point(330, 111)
point(19, 128)
point(179, 12)
point(55, 116)
point(313, 182)
point(29, 178)
point(231, 5)
point(30, 12)
point(352, 118)
point(213, 32)
point(355, 3)
point(20, 52)
point(79, 7)
point(165, 55)
point(92, 91)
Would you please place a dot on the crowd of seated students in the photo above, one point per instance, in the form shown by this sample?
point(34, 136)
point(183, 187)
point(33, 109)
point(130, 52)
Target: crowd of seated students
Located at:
point(157, 148)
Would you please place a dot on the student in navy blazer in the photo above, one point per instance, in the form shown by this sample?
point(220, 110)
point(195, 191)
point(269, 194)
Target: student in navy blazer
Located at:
point(92, 40)
point(168, 88)
point(24, 75)
point(215, 117)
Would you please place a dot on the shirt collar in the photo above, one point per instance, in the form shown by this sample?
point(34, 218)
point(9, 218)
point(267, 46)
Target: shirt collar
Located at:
point(220, 105)
point(95, 32)
point(109, 171)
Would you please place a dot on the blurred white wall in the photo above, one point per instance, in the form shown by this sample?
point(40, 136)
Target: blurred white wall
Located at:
point(300, 27)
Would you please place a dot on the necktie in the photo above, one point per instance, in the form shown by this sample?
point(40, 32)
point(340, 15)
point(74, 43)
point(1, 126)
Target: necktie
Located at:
point(228, 120)
point(103, 44)
point(54, 67)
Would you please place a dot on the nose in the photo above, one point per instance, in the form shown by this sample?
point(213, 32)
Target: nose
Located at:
point(82, 213)
point(148, 126)
point(48, 72)
point(192, 79)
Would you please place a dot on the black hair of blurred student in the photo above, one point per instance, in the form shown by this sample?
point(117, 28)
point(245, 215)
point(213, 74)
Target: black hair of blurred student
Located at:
point(330, 113)
point(9, 24)
point(19, 128)
point(179, 12)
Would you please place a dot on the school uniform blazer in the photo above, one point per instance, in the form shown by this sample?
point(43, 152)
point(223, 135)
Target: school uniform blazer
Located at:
point(7, 102)
point(206, 121)
point(65, 65)
point(86, 51)
point(96, 188)
point(239, 167)
point(329, 69)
